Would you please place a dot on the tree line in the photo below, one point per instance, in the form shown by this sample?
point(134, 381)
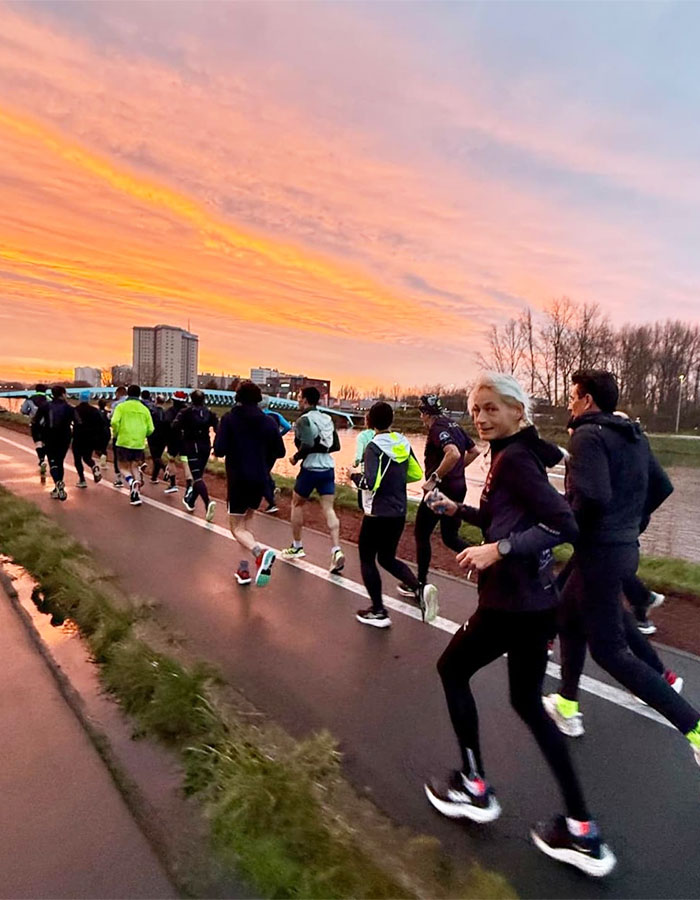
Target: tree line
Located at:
point(656, 365)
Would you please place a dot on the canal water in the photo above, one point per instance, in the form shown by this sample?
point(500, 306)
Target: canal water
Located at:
point(674, 528)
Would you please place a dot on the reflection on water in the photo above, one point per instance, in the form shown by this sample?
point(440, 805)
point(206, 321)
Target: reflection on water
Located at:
point(674, 528)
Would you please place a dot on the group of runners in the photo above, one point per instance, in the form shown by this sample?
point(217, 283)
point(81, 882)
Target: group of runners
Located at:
point(613, 485)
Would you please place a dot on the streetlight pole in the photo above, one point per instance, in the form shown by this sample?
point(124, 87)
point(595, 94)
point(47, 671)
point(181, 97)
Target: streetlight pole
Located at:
point(681, 379)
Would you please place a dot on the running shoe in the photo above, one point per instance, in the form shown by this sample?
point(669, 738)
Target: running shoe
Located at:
point(405, 590)
point(337, 562)
point(171, 489)
point(293, 553)
point(61, 488)
point(188, 501)
point(242, 573)
point(674, 680)
point(154, 481)
point(42, 470)
point(565, 714)
point(272, 509)
point(656, 599)
point(118, 481)
point(97, 474)
point(54, 494)
point(103, 461)
point(586, 852)
point(211, 509)
point(81, 484)
point(370, 617)
point(459, 797)
point(263, 565)
point(645, 626)
point(428, 602)
point(135, 497)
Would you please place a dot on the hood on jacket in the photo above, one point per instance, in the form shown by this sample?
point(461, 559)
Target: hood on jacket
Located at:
point(549, 454)
point(394, 445)
point(623, 426)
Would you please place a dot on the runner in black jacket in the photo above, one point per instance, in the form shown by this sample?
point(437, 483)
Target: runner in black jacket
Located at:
point(522, 518)
point(87, 437)
point(250, 441)
point(614, 484)
point(54, 424)
point(193, 426)
point(173, 438)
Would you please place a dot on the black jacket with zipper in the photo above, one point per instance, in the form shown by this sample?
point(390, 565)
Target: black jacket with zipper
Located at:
point(519, 503)
point(613, 480)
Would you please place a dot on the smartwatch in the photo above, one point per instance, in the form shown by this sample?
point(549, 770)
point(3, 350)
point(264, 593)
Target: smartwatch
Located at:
point(504, 547)
point(435, 477)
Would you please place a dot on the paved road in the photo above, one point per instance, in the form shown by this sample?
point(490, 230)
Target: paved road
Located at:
point(295, 649)
point(66, 831)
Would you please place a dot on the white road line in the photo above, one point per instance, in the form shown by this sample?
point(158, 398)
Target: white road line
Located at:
point(591, 685)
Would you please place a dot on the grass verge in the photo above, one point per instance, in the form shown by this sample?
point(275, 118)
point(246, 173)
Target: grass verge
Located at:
point(280, 811)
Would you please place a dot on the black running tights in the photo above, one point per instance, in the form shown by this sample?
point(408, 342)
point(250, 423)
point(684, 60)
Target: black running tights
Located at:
point(56, 454)
point(524, 637)
point(82, 453)
point(198, 463)
point(591, 614)
point(378, 541)
point(426, 520)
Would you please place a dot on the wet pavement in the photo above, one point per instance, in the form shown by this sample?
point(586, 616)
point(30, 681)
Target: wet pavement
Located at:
point(66, 831)
point(297, 652)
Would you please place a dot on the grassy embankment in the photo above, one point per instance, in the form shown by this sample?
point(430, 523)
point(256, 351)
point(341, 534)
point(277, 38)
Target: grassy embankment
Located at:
point(280, 811)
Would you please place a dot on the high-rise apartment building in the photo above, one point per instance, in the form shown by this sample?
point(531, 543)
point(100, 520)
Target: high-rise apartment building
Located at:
point(165, 356)
point(88, 374)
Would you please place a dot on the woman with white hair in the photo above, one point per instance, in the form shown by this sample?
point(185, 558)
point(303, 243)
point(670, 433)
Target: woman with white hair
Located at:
point(522, 518)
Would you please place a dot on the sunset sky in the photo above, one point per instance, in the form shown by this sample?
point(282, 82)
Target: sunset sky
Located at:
point(349, 190)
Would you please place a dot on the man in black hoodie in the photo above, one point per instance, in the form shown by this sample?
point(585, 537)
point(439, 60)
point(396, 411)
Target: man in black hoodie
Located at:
point(87, 436)
point(250, 442)
point(54, 425)
point(614, 484)
point(173, 439)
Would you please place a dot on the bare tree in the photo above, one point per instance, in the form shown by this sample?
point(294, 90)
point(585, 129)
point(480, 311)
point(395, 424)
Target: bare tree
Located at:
point(506, 348)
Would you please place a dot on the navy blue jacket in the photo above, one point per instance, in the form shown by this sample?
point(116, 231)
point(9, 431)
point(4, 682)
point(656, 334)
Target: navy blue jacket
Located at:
point(519, 503)
point(54, 420)
point(613, 480)
point(251, 443)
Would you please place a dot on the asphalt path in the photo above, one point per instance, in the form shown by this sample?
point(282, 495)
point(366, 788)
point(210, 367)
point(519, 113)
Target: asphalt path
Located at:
point(295, 649)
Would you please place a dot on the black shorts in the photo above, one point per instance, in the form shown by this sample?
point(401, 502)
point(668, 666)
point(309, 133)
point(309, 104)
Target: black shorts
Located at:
point(244, 496)
point(127, 455)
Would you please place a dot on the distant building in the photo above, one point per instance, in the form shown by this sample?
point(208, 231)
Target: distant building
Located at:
point(89, 374)
point(221, 382)
point(282, 385)
point(165, 356)
point(122, 375)
point(261, 376)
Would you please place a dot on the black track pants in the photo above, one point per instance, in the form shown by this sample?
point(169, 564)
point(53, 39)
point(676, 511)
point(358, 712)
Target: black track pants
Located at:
point(592, 614)
point(377, 543)
point(426, 520)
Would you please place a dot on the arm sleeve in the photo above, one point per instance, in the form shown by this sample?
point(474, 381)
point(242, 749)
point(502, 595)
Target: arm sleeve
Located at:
point(658, 490)
point(555, 524)
point(589, 486)
point(471, 515)
point(220, 439)
point(116, 419)
point(371, 465)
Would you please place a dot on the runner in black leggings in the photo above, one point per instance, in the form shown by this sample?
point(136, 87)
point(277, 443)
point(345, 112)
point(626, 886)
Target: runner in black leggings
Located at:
point(522, 517)
point(388, 463)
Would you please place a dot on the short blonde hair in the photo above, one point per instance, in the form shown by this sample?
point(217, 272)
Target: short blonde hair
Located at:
point(508, 389)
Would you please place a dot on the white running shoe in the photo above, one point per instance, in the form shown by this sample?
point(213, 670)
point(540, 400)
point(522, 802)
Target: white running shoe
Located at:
point(571, 726)
point(656, 599)
point(211, 509)
point(337, 562)
point(429, 602)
